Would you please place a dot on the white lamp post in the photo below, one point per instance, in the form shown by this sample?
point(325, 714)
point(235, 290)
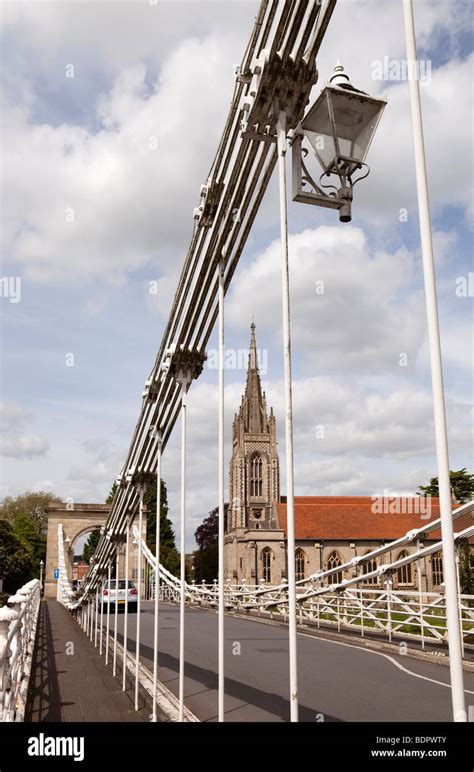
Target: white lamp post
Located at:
point(184, 364)
point(339, 129)
point(442, 455)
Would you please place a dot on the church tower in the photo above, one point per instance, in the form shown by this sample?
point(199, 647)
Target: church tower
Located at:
point(254, 479)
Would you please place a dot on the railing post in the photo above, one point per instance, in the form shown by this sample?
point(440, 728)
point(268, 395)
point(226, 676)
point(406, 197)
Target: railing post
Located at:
point(157, 571)
point(125, 621)
point(420, 596)
point(293, 662)
point(117, 550)
point(7, 616)
point(96, 615)
point(458, 583)
point(141, 491)
point(388, 589)
point(101, 616)
point(17, 604)
point(107, 631)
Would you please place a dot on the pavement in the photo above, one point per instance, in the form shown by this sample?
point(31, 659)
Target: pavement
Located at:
point(337, 681)
point(71, 682)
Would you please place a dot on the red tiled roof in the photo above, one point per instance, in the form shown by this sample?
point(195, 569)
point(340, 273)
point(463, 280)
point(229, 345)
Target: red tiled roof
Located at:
point(352, 518)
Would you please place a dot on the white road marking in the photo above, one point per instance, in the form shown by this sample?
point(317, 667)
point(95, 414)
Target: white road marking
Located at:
point(387, 656)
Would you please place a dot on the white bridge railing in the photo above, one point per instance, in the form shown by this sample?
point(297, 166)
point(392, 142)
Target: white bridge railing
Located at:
point(18, 623)
point(410, 614)
point(392, 613)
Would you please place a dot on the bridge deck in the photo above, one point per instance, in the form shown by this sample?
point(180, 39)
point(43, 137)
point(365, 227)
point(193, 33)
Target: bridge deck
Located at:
point(77, 686)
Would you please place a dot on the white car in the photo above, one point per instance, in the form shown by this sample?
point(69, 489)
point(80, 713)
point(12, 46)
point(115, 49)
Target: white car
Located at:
point(122, 596)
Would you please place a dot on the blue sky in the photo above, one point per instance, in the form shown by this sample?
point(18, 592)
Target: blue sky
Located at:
point(81, 145)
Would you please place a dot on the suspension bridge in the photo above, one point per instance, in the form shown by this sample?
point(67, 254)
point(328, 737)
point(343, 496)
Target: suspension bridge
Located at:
point(318, 648)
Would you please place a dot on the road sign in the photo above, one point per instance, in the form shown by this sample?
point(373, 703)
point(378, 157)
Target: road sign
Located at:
point(56, 573)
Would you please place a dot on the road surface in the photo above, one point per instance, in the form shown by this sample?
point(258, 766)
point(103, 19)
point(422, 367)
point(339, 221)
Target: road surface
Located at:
point(337, 682)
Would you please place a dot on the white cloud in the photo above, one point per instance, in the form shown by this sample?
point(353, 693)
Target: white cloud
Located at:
point(132, 204)
point(84, 204)
point(23, 446)
point(391, 185)
point(15, 441)
point(351, 309)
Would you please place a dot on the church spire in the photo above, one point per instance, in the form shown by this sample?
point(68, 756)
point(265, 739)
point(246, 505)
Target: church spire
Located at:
point(253, 409)
point(253, 363)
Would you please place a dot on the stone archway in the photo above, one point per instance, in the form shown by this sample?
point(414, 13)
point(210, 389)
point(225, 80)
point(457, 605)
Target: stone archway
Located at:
point(76, 519)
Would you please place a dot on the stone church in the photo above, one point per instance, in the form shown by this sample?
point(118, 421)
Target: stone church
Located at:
point(329, 530)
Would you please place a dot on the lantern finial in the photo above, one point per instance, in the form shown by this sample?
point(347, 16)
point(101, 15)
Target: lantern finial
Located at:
point(339, 78)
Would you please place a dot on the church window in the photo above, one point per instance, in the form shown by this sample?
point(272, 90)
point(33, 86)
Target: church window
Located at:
point(334, 561)
point(256, 476)
point(369, 566)
point(437, 568)
point(404, 574)
point(300, 561)
point(267, 564)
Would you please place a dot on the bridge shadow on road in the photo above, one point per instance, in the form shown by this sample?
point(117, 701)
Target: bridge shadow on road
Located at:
point(277, 707)
point(44, 702)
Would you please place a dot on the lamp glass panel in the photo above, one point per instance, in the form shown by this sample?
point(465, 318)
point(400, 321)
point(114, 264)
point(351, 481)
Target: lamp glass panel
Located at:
point(318, 130)
point(356, 117)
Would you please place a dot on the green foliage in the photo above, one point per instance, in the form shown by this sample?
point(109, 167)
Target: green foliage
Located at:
point(16, 559)
point(169, 556)
point(167, 537)
point(33, 505)
point(90, 545)
point(24, 525)
point(111, 495)
point(206, 558)
point(466, 568)
point(206, 564)
point(462, 486)
point(27, 533)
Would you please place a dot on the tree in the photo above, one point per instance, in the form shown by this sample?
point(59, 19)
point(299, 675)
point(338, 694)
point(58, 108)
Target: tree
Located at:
point(169, 555)
point(16, 560)
point(25, 530)
point(206, 557)
point(466, 568)
point(91, 545)
point(462, 489)
point(462, 486)
point(111, 495)
point(167, 537)
point(34, 505)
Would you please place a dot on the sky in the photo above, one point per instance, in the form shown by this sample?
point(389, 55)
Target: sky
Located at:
point(111, 115)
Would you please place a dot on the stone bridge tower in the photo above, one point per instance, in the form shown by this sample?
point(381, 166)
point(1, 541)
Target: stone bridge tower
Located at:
point(77, 520)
